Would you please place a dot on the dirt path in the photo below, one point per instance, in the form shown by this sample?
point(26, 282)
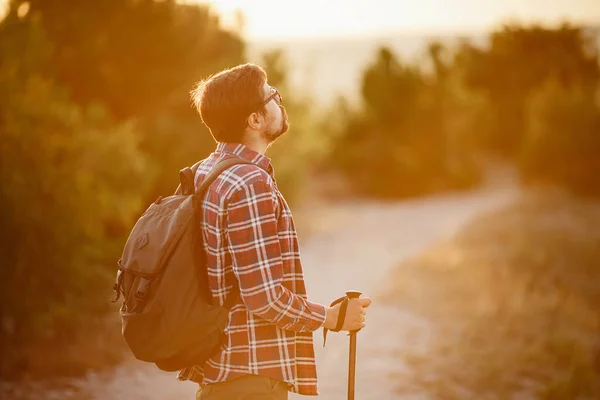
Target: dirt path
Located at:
point(354, 246)
point(359, 255)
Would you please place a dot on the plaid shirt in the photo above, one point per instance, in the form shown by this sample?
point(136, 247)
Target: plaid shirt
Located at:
point(250, 241)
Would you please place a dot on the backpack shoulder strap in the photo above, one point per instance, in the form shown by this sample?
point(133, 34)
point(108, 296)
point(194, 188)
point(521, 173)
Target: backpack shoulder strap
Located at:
point(187, 175)
point(186, 179)
point(217, 170)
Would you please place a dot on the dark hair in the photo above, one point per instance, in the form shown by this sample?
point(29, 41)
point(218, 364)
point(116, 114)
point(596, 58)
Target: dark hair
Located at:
point(226, 99)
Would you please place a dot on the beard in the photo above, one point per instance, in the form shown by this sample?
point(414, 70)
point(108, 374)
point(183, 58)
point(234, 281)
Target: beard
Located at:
point(276, 131)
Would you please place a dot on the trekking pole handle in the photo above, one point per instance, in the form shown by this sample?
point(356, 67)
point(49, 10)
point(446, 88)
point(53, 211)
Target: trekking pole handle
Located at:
point(343, 301)
point(353, 294)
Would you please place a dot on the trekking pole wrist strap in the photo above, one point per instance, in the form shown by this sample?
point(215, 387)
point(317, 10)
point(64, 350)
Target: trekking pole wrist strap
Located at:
point(341, 316)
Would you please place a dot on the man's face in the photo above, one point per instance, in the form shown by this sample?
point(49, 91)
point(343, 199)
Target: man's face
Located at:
point(276, 120)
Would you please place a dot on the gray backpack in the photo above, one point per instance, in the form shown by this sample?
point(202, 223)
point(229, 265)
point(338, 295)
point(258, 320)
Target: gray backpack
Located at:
point(167, 316)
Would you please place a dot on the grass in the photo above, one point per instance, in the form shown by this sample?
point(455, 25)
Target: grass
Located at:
point(515, 301)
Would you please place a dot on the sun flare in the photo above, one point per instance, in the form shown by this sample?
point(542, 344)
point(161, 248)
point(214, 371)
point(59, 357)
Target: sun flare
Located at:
point(278, 20)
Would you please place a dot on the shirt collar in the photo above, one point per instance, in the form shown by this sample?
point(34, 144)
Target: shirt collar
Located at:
point(245, 153)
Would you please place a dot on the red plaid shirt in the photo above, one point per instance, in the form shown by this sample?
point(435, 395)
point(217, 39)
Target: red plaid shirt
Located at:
point(250, 241)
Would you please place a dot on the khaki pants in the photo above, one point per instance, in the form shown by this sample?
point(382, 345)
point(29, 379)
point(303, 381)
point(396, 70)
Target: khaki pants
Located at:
point(249, 387)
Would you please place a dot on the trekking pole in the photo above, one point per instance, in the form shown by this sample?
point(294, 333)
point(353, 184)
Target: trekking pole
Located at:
point(352, 294)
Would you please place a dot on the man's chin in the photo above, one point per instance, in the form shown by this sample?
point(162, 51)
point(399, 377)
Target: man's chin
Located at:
point(276, 135)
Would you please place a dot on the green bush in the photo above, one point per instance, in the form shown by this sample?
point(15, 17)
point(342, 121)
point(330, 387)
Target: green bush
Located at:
point(71, 186)
point(562, 142)
point(518, 61)
point(408, 137)
point(96, 121)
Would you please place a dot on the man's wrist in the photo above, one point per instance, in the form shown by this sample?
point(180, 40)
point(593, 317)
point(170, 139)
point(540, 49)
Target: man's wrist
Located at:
point(331, 317)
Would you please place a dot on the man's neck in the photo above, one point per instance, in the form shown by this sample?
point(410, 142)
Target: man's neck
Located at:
point(256, 144)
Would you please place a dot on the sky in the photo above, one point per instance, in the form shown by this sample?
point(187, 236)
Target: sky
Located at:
point(281, 19)
point(299, 19)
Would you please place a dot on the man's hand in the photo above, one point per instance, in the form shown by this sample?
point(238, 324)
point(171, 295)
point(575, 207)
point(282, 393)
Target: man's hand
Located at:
point(355, 314)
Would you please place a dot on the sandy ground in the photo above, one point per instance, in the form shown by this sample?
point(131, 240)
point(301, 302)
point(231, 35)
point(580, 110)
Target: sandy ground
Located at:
point(353, 245)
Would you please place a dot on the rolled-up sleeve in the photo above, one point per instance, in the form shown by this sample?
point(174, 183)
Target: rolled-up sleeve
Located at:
point(253, 241)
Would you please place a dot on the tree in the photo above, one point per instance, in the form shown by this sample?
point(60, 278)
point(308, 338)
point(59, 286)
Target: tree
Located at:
point(140, 59)
point(399, 143)
point(96, 120)
point(66, 198)
point(562, 138)
point(519, 61)
point(137, 57)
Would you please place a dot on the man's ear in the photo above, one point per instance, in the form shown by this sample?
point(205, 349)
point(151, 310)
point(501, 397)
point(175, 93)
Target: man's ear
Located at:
point(254, 121)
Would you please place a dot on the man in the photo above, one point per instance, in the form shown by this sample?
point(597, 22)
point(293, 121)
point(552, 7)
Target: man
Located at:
point(251, 242)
